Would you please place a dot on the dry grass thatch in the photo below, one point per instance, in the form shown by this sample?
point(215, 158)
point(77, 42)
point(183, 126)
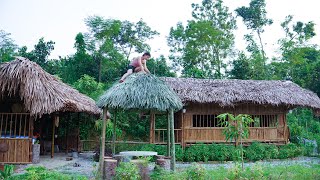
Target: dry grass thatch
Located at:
point(231, 92)
point(140, 91)
point(41, 92)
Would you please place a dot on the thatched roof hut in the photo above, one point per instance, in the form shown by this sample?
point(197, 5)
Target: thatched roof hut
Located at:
point(232, 92)
point(140, 91)
point(41, 92)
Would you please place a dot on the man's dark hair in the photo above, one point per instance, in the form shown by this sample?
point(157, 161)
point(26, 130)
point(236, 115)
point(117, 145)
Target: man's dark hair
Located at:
point(146, 54)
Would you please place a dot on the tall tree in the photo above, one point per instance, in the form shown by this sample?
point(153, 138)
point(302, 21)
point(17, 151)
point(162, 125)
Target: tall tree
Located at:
point(7, 47)
point(255, 18)
point(299, 58)
point(200, 47)
point(112, 41)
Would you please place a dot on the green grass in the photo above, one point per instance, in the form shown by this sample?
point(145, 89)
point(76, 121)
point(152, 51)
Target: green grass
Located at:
point(256, 172)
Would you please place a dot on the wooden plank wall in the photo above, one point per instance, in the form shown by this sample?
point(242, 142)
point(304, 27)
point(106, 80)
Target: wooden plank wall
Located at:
point(214, 134)
point(16, 131)
point(20, 151)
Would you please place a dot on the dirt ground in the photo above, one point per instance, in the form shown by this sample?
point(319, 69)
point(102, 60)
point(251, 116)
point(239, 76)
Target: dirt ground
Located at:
point(83, 165)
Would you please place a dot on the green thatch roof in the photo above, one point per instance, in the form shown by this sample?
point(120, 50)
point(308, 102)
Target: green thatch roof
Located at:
point(140, 91)
point(230, 92)
point(41, 92)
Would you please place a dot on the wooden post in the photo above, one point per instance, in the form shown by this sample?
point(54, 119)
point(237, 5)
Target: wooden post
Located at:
point(103, 140)
point(114, 135)
point(173, 153)
point(168, 134)
point(67, 132)
point(182, 129)
point(152, 127)
point(55, 117)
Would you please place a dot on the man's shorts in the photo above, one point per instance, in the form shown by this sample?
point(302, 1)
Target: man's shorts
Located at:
point(131, 67)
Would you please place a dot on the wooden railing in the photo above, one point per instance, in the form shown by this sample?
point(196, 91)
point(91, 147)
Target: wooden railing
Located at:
point(161, 136)
point(15, 125)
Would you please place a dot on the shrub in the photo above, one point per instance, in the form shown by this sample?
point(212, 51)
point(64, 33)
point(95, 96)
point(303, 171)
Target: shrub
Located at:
point(179, 153)
point(7, 172)
point(196, 172)
point(221, 152)
point(127, 171)
point(255, 152)
point(197, 152)
point(39, 173)
point(289, 151)
point(271, 152)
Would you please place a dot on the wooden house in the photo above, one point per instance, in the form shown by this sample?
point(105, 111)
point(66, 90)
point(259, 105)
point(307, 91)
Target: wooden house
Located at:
point(27, 94)
point(267, 102)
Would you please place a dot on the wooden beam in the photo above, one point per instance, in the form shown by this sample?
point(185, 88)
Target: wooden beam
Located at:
point(103, 140)
point(173, 153)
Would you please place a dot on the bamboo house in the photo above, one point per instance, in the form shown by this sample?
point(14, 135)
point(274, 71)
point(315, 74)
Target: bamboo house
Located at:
point(27, 94)
point(267, 102)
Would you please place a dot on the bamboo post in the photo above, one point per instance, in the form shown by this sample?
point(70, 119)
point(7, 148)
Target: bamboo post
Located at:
point(168, 134)
point(103, 140)
point(152, 127)
point(52, 140)
point(173, 154)
point(114, 135)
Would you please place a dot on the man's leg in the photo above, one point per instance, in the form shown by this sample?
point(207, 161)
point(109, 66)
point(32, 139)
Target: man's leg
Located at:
point(125, 75)
point(137, 69)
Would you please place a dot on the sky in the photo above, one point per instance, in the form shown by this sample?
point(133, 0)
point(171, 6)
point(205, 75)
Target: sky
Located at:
point(60, 20)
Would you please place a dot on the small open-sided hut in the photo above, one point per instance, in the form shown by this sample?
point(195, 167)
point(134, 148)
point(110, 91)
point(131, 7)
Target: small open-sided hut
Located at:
point(143, 92)
point(267, 102)
point(27, 93)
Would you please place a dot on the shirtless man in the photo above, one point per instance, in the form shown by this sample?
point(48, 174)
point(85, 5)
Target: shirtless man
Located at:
point(137, 64)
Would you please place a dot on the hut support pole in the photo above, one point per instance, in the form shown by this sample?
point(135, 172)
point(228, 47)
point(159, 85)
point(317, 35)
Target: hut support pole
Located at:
point(173, 153)
point(55, 117)
point(114, 135)
point(103, 140)
point(152, 127)
point(168, 134)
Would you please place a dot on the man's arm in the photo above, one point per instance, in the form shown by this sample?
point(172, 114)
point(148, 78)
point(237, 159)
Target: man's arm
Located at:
point(145, 67)
point(141, 65)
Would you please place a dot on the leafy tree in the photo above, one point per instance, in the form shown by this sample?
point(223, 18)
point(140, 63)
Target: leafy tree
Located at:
point(74, 67)
point(241, 68)
point(87, 85)
point(299, 59)
point(112, 41)
point(236, 128)
point(255, 18)
point(200, 47)
point(41, 52)
point(159, 67)
point(7, 47)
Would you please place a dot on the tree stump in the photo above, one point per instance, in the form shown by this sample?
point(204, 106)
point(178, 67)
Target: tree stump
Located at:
point(35, 153)
point(109, 170)
point(164, 163)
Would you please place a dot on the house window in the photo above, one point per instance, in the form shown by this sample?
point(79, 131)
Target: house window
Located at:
point(205, 120)
point(264, 121)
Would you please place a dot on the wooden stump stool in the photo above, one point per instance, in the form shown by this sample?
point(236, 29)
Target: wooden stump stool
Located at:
point(109, 170)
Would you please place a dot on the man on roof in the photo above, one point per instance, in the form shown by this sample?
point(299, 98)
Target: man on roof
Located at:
point(138, 64)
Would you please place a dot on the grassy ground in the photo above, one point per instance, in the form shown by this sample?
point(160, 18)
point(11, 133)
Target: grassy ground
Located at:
point(256, 172)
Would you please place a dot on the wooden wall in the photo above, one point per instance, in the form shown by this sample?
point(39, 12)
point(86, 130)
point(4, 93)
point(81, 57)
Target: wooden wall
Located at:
point(16, 131)
point(20, 151)
point(277, 134)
